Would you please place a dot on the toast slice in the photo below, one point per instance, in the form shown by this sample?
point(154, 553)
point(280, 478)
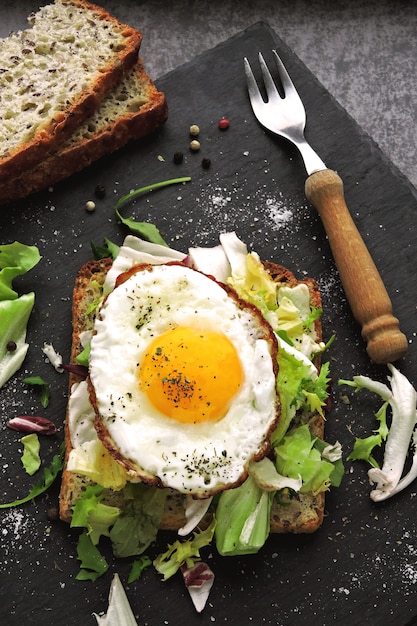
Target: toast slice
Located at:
point(54, 76)
point(132, 110)
point(303, 515)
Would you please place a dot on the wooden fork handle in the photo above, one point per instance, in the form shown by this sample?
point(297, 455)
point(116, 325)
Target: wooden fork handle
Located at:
point(364, 289)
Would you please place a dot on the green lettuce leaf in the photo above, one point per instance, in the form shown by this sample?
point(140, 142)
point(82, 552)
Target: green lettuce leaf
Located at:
point(184, 552)
point(363, 448)
point(90, 513)
point(298, 390)
point(137, 527)
point(31, 460)
point(137, 568)
point(15, 260)
point(14, 316)
point(297, 455)
point(243, 519)
point(92, 563)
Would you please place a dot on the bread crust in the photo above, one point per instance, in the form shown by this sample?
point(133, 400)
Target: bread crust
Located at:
point(75, 155)
point(55, 129)
point(303, 514)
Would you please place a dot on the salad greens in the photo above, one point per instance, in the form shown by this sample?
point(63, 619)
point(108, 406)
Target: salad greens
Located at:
point(49, 475)
point(184, 552)
point(401, 399)
point(31, 460)
point(15, 260)
point(43, 386)
point(119, 611)
point(145, 229)
point(243, 519)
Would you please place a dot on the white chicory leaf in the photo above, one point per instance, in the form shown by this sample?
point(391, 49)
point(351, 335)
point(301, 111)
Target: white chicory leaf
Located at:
point(119, 610)
point(54, 357)
point(402, 398)
point(195, 510)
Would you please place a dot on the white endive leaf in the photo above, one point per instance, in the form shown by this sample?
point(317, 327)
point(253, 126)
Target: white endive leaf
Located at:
point(119, 612)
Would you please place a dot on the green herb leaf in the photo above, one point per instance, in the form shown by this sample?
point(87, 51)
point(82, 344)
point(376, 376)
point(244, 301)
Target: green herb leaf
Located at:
point(183, 552)
point(137, 568)
point(108, 249)
point(31, 460)
point(93, 564)
point(44, 387)
point(49, 475)
point(145, 230)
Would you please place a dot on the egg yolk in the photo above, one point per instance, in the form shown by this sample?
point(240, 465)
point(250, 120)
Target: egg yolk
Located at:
point(191, 375)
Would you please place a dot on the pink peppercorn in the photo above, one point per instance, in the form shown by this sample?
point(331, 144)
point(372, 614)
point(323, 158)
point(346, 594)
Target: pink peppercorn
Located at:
point(223, 124)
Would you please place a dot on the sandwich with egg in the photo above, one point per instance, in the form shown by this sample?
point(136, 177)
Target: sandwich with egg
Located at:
point(196, 399)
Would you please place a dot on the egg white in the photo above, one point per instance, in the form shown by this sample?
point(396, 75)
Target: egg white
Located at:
point(199, 458)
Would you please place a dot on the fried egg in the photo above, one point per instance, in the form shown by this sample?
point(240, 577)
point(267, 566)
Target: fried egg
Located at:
point(182, 379)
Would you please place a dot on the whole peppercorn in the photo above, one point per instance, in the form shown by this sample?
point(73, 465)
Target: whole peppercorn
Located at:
point(223, 124)
point(53, 513)
point(11, 346)
point(206, 162)
point(178, 158)
point(90, 206)
point(194, 145)
point(194, 130)
point(100, 191)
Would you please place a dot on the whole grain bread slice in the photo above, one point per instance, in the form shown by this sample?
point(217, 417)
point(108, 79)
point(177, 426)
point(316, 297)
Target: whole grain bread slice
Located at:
point(54, 75)
point(132, 110)
point(298, 515)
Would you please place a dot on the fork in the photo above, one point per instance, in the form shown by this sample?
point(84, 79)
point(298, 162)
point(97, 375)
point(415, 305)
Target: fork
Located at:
point(363, 286)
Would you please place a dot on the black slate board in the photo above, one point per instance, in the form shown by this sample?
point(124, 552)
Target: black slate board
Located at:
point(361, 566)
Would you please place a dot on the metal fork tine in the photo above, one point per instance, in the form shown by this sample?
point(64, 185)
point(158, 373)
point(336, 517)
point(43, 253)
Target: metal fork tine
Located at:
point(254, 93)
point(286, 81)
point(270, 86)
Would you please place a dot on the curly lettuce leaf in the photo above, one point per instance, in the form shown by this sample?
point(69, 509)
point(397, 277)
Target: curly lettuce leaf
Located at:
point(15, 260)
point(298, 455)
point(183, 552)
point(363, 449)
point(298, 389)
point(90, 513)
point(138, 566)
point(14, 316)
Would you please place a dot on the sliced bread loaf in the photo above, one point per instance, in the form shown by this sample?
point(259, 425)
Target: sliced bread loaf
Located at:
point(54, 74)
point(131, 110)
